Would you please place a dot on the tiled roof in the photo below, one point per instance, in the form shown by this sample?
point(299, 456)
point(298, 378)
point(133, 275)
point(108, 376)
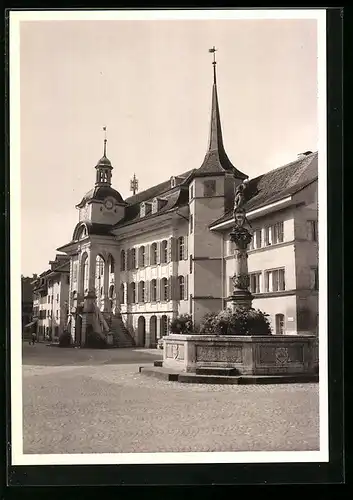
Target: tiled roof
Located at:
point(278, 183)
point(154, 191)
point(176, 197)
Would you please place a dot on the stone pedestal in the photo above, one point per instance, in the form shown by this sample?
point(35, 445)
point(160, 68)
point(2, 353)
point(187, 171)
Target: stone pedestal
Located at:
point(241, 237)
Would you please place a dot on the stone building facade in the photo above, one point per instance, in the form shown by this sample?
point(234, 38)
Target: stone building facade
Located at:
point(137, 263)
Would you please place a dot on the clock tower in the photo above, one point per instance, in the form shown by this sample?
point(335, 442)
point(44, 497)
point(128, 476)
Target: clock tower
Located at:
point(102, 204)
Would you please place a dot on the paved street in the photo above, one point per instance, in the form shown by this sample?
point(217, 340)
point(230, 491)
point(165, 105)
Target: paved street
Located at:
point(95, 401)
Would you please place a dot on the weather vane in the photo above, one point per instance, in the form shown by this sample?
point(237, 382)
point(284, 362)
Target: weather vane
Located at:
point(134, 185)
point(213, 51)
point(105, 140)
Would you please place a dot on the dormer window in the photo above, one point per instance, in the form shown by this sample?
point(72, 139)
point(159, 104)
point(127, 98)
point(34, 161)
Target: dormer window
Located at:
point(157, 204)
point(175, 181)
point(145, 209)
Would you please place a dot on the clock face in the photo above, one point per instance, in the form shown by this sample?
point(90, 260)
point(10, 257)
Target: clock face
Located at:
point(108, 204)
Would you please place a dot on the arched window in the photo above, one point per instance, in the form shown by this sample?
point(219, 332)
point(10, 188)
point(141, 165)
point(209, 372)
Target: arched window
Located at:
point(164, 325)
point(164, 251)
point(111, 264)
point(164, 289)
point(85, 274)
point(154, 254)
point(142, 291)
point(133, 292)
point(181, 247)
point(82, 233)
point(122, 261)
point(181, 286)
point(133, 258)
point(153, 290)
point(279, 324)
point(142, 256)
point(122, 293)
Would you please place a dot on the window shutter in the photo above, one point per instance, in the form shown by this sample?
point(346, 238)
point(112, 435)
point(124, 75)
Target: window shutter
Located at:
point(170, 288)
point(148, 255)
point(170, 249)
point(185, 247)
point(147, 291)
point(186, 287)
point(159, 252)
point(158, 290)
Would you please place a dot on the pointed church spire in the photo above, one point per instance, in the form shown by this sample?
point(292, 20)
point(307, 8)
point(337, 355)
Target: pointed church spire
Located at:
point(216, 160)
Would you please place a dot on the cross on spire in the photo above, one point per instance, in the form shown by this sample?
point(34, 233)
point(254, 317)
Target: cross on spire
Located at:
point(214, 62)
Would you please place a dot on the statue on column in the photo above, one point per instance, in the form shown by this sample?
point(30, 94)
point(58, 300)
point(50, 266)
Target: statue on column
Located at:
point(241, 237)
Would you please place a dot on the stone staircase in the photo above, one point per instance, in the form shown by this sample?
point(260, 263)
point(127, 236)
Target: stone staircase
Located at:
point(121, 335)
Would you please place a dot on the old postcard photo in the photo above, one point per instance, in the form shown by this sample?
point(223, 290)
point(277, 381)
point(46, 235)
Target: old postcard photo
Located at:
point(168, 216)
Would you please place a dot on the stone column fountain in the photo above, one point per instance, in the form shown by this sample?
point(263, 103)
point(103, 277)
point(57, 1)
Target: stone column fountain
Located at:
point(241, 237)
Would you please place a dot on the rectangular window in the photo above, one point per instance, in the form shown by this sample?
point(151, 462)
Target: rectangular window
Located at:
point(274, 280)
point(312, 230)
point(255, 279)
point(48, 299)
point(314, 278)
point(57, 297)
point(190, 263)
point(274, 234)
point(191, 223)
point(256, 241)
point(209, 188)
point(57, 314)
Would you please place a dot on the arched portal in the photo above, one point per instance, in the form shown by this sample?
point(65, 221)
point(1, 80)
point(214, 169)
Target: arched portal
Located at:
point(99, 281)
point(153, 331)
point(141, 331)
point(83, 275)
point(164, 325)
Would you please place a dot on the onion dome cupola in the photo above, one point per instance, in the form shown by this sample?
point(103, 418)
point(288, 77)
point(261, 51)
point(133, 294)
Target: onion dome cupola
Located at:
point(102, 204)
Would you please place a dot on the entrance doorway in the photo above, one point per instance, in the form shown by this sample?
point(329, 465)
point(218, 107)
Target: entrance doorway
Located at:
point(141, 332)
point(279, 324)
point(153, 331)
point(78, 329)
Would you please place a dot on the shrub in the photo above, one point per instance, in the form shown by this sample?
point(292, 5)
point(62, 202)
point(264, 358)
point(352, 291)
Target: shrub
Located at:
point(240, 322)
point(94, 340)
point(65, 339)
point(181, 324)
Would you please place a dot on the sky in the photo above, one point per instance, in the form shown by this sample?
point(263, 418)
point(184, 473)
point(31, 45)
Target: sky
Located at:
point(150, 83)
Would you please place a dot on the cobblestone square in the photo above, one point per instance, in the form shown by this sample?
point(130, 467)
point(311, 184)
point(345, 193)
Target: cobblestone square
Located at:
point(87, 401)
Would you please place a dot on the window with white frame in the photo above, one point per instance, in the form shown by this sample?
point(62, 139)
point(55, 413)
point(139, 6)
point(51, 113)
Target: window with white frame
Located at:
point(181, 287)
point(256, 241)
point(312, 230)
point(314, 278)
point(154, 254)
point(164, 251)
point(181, 247)
point(274, 234)
point(255, 282)
point(275, 280)
point(153, 290)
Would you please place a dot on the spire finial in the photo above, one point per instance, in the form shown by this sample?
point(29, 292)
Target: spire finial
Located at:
point(134, 185)
point(214, 62)
point(105, 141)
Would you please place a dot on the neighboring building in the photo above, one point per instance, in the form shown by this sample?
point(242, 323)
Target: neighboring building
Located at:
point(50, 299)
point(165, 251)
point(27, 301)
